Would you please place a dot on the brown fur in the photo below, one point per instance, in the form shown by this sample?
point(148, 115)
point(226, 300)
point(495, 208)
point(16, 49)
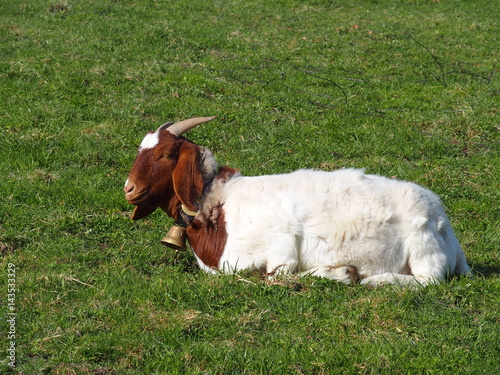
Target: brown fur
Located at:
point(406, 269)
point(208, 236)
point(207, 233)
point(353, 274)
point(187, 177)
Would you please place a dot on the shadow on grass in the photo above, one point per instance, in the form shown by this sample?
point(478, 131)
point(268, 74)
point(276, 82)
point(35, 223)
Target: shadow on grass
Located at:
point(485, 271)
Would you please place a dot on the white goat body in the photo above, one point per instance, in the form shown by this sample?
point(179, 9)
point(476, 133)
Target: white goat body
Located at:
point(318, 222)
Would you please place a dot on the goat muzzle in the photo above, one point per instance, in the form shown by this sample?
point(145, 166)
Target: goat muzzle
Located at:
point(175, 238)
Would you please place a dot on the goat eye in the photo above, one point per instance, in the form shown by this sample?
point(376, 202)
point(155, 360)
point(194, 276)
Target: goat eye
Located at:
point(166, 157)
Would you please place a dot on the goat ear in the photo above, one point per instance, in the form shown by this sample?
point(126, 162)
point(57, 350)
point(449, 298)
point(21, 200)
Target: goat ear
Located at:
point(187, 177)
point(142, 211)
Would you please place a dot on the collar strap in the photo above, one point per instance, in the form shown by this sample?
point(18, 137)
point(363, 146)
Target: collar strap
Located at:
point(186, 217)
point(188, 212)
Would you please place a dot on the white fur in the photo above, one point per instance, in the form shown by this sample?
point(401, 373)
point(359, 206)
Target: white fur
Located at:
point(315, 222)
point(149, 141)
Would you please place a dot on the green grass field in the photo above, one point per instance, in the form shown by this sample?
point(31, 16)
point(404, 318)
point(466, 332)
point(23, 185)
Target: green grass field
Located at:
point(408, 89)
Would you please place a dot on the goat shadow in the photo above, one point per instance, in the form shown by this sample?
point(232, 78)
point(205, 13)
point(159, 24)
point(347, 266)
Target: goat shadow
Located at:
point(486, 271)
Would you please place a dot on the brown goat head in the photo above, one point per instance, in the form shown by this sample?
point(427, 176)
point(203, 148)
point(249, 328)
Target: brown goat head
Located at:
point(166, 172)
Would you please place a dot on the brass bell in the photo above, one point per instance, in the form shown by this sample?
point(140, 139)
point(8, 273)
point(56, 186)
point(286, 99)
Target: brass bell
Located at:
point(175, 238)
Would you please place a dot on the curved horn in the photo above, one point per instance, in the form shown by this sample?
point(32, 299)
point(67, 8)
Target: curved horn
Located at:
point(164, 126)
point(179, 128)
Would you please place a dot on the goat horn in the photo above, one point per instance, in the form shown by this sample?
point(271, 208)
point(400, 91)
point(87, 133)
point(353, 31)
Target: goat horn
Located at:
point(179, 128)
point(164, 126)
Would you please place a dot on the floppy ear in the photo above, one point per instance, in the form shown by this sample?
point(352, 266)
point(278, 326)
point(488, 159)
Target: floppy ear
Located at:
point(187, 177)
point(142, 211)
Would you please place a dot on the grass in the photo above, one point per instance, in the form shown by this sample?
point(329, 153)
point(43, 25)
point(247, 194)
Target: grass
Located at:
point(402, 89)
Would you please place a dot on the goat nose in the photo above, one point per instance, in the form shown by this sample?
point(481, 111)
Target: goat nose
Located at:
point(128, 188)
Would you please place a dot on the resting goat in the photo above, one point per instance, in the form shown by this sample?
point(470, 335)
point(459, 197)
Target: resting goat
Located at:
point(343, 225)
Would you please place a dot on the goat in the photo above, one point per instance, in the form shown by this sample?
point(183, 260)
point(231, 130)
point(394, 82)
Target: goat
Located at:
point(344, 225)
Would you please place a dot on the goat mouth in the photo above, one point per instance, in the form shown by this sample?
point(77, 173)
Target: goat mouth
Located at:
point(136, 198)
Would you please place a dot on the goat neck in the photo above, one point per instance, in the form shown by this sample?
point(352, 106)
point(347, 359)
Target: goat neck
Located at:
point(207, 233)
